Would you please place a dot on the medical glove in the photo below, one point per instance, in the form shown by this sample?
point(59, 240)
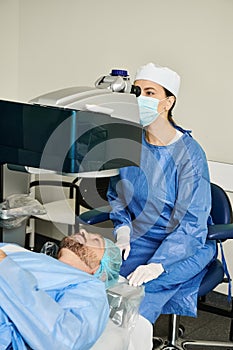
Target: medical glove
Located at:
point(145, 273)
point(123, 240)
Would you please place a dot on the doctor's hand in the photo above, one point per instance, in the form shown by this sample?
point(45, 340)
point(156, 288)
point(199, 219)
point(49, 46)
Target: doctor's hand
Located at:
point(123, 241)
point(145, 273)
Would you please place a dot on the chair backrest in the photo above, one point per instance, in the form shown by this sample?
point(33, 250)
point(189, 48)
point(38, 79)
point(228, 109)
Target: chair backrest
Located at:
point(221, 211)
point(93, 192)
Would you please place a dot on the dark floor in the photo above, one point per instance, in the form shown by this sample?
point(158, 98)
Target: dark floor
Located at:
point(206, 326)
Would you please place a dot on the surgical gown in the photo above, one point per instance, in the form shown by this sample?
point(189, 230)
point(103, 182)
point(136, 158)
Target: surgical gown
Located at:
point(46, 304)
point(166, 203)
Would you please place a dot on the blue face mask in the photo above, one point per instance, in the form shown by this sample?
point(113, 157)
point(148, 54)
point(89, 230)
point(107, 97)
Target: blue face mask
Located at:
point(110, 264)
point(148, 109)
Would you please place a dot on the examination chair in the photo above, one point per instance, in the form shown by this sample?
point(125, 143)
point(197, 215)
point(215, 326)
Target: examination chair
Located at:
point(74, 196)
point(221, 231)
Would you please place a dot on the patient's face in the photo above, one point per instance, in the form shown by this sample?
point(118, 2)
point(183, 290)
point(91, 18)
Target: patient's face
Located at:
point(83, 250)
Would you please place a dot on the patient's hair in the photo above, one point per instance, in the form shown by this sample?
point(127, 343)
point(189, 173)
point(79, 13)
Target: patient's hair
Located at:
point(85, 253)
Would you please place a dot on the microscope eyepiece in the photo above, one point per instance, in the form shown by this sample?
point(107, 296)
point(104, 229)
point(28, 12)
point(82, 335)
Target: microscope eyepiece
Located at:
point(118, 81)
point(136, 90)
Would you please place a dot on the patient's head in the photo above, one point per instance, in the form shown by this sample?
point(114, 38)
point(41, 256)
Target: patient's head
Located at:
point(93, 254)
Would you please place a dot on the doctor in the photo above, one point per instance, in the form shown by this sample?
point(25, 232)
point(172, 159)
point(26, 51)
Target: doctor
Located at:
point(161, 209)
point(56, 304)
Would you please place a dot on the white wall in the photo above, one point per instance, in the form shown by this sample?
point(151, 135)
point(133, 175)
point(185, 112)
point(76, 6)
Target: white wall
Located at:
point(9, 50)
point(51, 44)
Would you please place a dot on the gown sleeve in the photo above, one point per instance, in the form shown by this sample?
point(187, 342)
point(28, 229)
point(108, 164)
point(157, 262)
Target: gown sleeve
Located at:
point(119, 215)
point(74, 319)
point(190, 215)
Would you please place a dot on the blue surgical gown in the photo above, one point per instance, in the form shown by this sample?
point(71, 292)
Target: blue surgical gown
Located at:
point(46, 304)
point(166, 203)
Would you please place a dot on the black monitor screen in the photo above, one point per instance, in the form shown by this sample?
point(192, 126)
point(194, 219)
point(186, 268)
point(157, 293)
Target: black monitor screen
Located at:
point(65, 140)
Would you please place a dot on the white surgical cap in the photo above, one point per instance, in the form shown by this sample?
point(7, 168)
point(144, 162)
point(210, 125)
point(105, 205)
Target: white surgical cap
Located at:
point(163, 76)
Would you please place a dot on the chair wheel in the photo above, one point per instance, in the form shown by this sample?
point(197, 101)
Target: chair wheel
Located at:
point(157, 342)
point(181, 331)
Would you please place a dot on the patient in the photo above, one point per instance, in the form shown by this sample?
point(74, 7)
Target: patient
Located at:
point(56, 303)
point(96, 255)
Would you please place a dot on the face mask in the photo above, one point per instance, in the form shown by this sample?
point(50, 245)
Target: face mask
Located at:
point(148, 109)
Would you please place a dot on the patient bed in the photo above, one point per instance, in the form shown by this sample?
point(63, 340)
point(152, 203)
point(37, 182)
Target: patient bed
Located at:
point(118, 338)
point(126, 329)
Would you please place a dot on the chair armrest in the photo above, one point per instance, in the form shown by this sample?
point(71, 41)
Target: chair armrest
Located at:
point(220, 232)
point(95, 216)
point(20, 168)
